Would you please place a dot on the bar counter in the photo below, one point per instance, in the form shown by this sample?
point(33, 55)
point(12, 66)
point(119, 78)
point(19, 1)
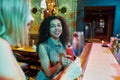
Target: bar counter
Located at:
point(101, 64)
point(28, 49)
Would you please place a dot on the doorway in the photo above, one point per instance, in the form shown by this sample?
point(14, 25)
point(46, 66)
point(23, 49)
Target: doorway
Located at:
point(99, 22)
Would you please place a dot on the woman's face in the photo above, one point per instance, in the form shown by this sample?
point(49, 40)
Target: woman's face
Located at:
point(119, 45)
point(55, 28)
point(30, 18)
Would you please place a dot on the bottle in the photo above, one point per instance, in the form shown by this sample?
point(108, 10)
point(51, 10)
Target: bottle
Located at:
point(69, 51)
point(33, 44)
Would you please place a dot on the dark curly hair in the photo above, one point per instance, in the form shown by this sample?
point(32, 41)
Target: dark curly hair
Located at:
point(44, 30)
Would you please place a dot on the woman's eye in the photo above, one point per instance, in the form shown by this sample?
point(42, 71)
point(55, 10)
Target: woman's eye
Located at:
point(59, 25)
point(52, 26)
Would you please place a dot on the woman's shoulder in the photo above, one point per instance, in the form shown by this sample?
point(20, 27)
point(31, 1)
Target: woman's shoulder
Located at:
point(4, 45)
point(44, 44)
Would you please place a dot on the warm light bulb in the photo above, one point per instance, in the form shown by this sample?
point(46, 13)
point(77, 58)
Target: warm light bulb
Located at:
point(102, 42)
point(48, 3)
point(47, 11)
point(52, 3)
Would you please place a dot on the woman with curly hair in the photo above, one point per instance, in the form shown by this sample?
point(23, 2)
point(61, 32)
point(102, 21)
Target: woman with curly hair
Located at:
point(51, 48)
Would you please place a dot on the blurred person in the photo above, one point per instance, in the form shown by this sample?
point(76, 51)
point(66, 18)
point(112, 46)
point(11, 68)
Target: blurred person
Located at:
point(15, 19)
point(117, 53)
point(51, 48)
point(78, 43)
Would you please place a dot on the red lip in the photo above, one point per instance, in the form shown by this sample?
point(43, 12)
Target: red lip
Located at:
point(57, 32)
point(28, 25)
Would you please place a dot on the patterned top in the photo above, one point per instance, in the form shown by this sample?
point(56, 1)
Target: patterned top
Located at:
point(54, 49)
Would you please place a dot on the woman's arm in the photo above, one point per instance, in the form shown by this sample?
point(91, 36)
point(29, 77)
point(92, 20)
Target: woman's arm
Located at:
point(8, 65)
point(45, 62)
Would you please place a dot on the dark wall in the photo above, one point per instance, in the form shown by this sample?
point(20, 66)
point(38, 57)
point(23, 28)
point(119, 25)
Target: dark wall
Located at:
point(80, 15)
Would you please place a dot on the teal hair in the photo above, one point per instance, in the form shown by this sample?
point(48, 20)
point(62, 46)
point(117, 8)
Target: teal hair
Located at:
point(13, 20)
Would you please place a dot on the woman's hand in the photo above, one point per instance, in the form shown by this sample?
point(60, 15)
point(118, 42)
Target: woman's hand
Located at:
point(64, 59)
point(5, 78)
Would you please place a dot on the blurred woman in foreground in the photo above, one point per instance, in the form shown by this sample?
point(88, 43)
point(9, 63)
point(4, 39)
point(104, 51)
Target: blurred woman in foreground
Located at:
point(15, 18)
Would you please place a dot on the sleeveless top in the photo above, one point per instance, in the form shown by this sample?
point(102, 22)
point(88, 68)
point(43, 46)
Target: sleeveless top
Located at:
point(54, 49)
